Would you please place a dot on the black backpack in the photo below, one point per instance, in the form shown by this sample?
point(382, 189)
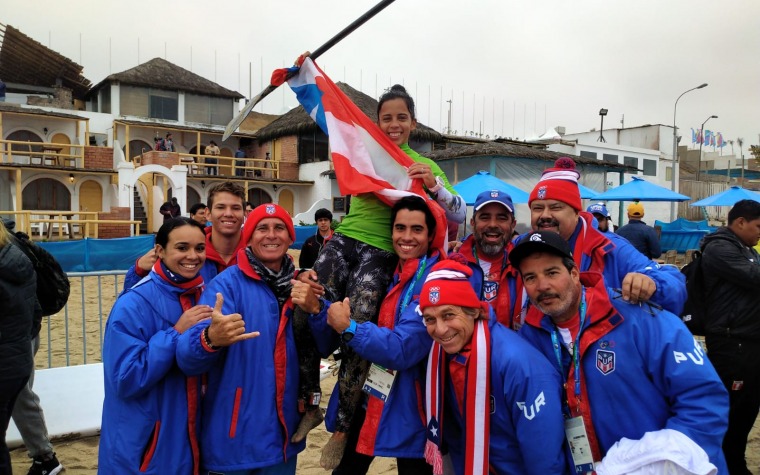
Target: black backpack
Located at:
point(695, 308)
point(53, 285)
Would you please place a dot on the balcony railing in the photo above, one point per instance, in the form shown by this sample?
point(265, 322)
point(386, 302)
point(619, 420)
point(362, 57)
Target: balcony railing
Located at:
point(42, 153)
point(214, 164)
point(41, 224)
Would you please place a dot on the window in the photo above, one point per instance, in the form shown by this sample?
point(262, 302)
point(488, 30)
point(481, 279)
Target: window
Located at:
point(163, 104)
point(152, 103)
point(105, 99)
point(668, 173)
point(586, 154)
point(207, 110)
point(650, 167)
point(607, 157)
point(257, 196)
point(313, 147)
point(632, 162)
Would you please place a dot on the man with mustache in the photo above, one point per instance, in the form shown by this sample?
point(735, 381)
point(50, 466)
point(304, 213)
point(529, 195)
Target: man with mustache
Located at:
point(555, 205)
point(636, 381)
point(487, 247)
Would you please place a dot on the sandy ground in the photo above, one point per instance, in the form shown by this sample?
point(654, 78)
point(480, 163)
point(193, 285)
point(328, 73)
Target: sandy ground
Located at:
point(85, 333)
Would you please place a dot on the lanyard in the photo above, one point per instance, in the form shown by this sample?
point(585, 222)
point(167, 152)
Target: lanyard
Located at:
point(576, 351)
point(410, 289)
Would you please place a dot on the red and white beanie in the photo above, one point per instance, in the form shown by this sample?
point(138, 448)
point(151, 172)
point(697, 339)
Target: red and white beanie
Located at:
point(448, 284)
point(559, 183)
point(267, 210)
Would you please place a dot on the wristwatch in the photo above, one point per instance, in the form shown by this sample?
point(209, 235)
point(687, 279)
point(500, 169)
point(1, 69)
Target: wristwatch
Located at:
point(348, 333)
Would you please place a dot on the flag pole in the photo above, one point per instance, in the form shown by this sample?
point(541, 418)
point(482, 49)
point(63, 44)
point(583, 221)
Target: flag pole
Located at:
point(235, 123)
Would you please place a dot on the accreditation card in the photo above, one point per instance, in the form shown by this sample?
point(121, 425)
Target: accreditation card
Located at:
point(575, 431)
point(379, 382)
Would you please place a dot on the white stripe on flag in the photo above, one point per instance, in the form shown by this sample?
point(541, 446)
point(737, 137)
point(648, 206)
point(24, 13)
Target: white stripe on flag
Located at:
point(480, 399)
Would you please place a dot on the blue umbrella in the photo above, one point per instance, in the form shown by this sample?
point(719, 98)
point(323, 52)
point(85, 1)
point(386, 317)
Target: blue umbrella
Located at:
point(639, 189)
point(482, 181)
point(728, 197)
point(587, 192)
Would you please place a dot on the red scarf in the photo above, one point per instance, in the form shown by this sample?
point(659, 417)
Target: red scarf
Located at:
point(477, 405)
point(187, 299)
point(213, 255)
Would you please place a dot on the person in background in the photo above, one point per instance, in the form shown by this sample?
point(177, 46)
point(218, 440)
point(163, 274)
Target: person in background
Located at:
point(239, 153)
point(642, 237)
point(313, 244)
point(167, 143)
point(250, 408)
point(620, 358)
point(358, 261)
point(27, 412)
point(731, 272)
point(170, 209)
point(248, 208)
point(225, 201)
point(599, 210)
point(18, 298)
point(487, 249)
point(198, 213)
point(493, 403)
point(212, 149)
point(555, 205)
point(151, 409)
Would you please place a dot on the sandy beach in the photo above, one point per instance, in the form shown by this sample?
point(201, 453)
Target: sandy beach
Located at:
point(85, 333)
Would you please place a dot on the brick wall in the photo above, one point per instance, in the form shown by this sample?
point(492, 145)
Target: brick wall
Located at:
point(106, 231)
point(288, 158)
point(155, 157)
point(98, 158)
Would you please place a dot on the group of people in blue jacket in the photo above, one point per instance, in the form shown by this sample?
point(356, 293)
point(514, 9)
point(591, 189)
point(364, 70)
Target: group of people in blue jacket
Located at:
point(557, 352)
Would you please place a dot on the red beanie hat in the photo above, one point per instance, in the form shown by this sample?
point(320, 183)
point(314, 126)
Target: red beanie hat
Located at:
point(559, 183)
point(267, 210)
point(448, 284)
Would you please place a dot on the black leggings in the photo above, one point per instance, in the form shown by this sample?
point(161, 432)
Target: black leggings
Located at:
point(354, 463)
point(346, 268)
point(10, 390)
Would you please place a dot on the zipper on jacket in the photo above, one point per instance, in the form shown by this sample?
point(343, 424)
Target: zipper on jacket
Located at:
point(150, 448)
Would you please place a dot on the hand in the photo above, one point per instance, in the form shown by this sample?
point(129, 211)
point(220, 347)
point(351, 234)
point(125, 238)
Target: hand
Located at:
point(423, 172)
point(299, 60)
point(637, 287)
point(455, 245)
point(147, 260)
point(310, 277)
point(303, 296)
point(339, 315)
point(192, 316)
point(227, 329)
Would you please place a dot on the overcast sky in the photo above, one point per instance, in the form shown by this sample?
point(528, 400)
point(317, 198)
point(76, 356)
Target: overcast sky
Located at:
point(511, 68)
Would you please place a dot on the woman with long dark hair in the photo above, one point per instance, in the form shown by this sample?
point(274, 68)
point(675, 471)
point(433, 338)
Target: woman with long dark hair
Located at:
point(150, 411)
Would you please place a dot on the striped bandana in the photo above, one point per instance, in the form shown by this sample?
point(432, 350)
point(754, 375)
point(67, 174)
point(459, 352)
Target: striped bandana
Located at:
point(477, 403)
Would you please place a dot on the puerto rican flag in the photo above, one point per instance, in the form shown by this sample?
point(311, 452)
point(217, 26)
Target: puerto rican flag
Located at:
point(365, 159)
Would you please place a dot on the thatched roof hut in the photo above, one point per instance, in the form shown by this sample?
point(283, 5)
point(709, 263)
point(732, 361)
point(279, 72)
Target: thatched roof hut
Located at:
point(297, 121)
point(162, 74)
point(27, 62)
point(511, 150)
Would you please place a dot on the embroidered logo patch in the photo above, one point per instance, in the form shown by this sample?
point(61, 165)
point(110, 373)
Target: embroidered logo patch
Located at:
point(490, 289)
point(542, 193)
point(270, 209)
point(434, 295)
point(494, 194)
point(605, 361)
point(536, 238)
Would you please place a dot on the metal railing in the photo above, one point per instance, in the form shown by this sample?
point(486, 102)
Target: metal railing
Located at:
point(74, 335)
